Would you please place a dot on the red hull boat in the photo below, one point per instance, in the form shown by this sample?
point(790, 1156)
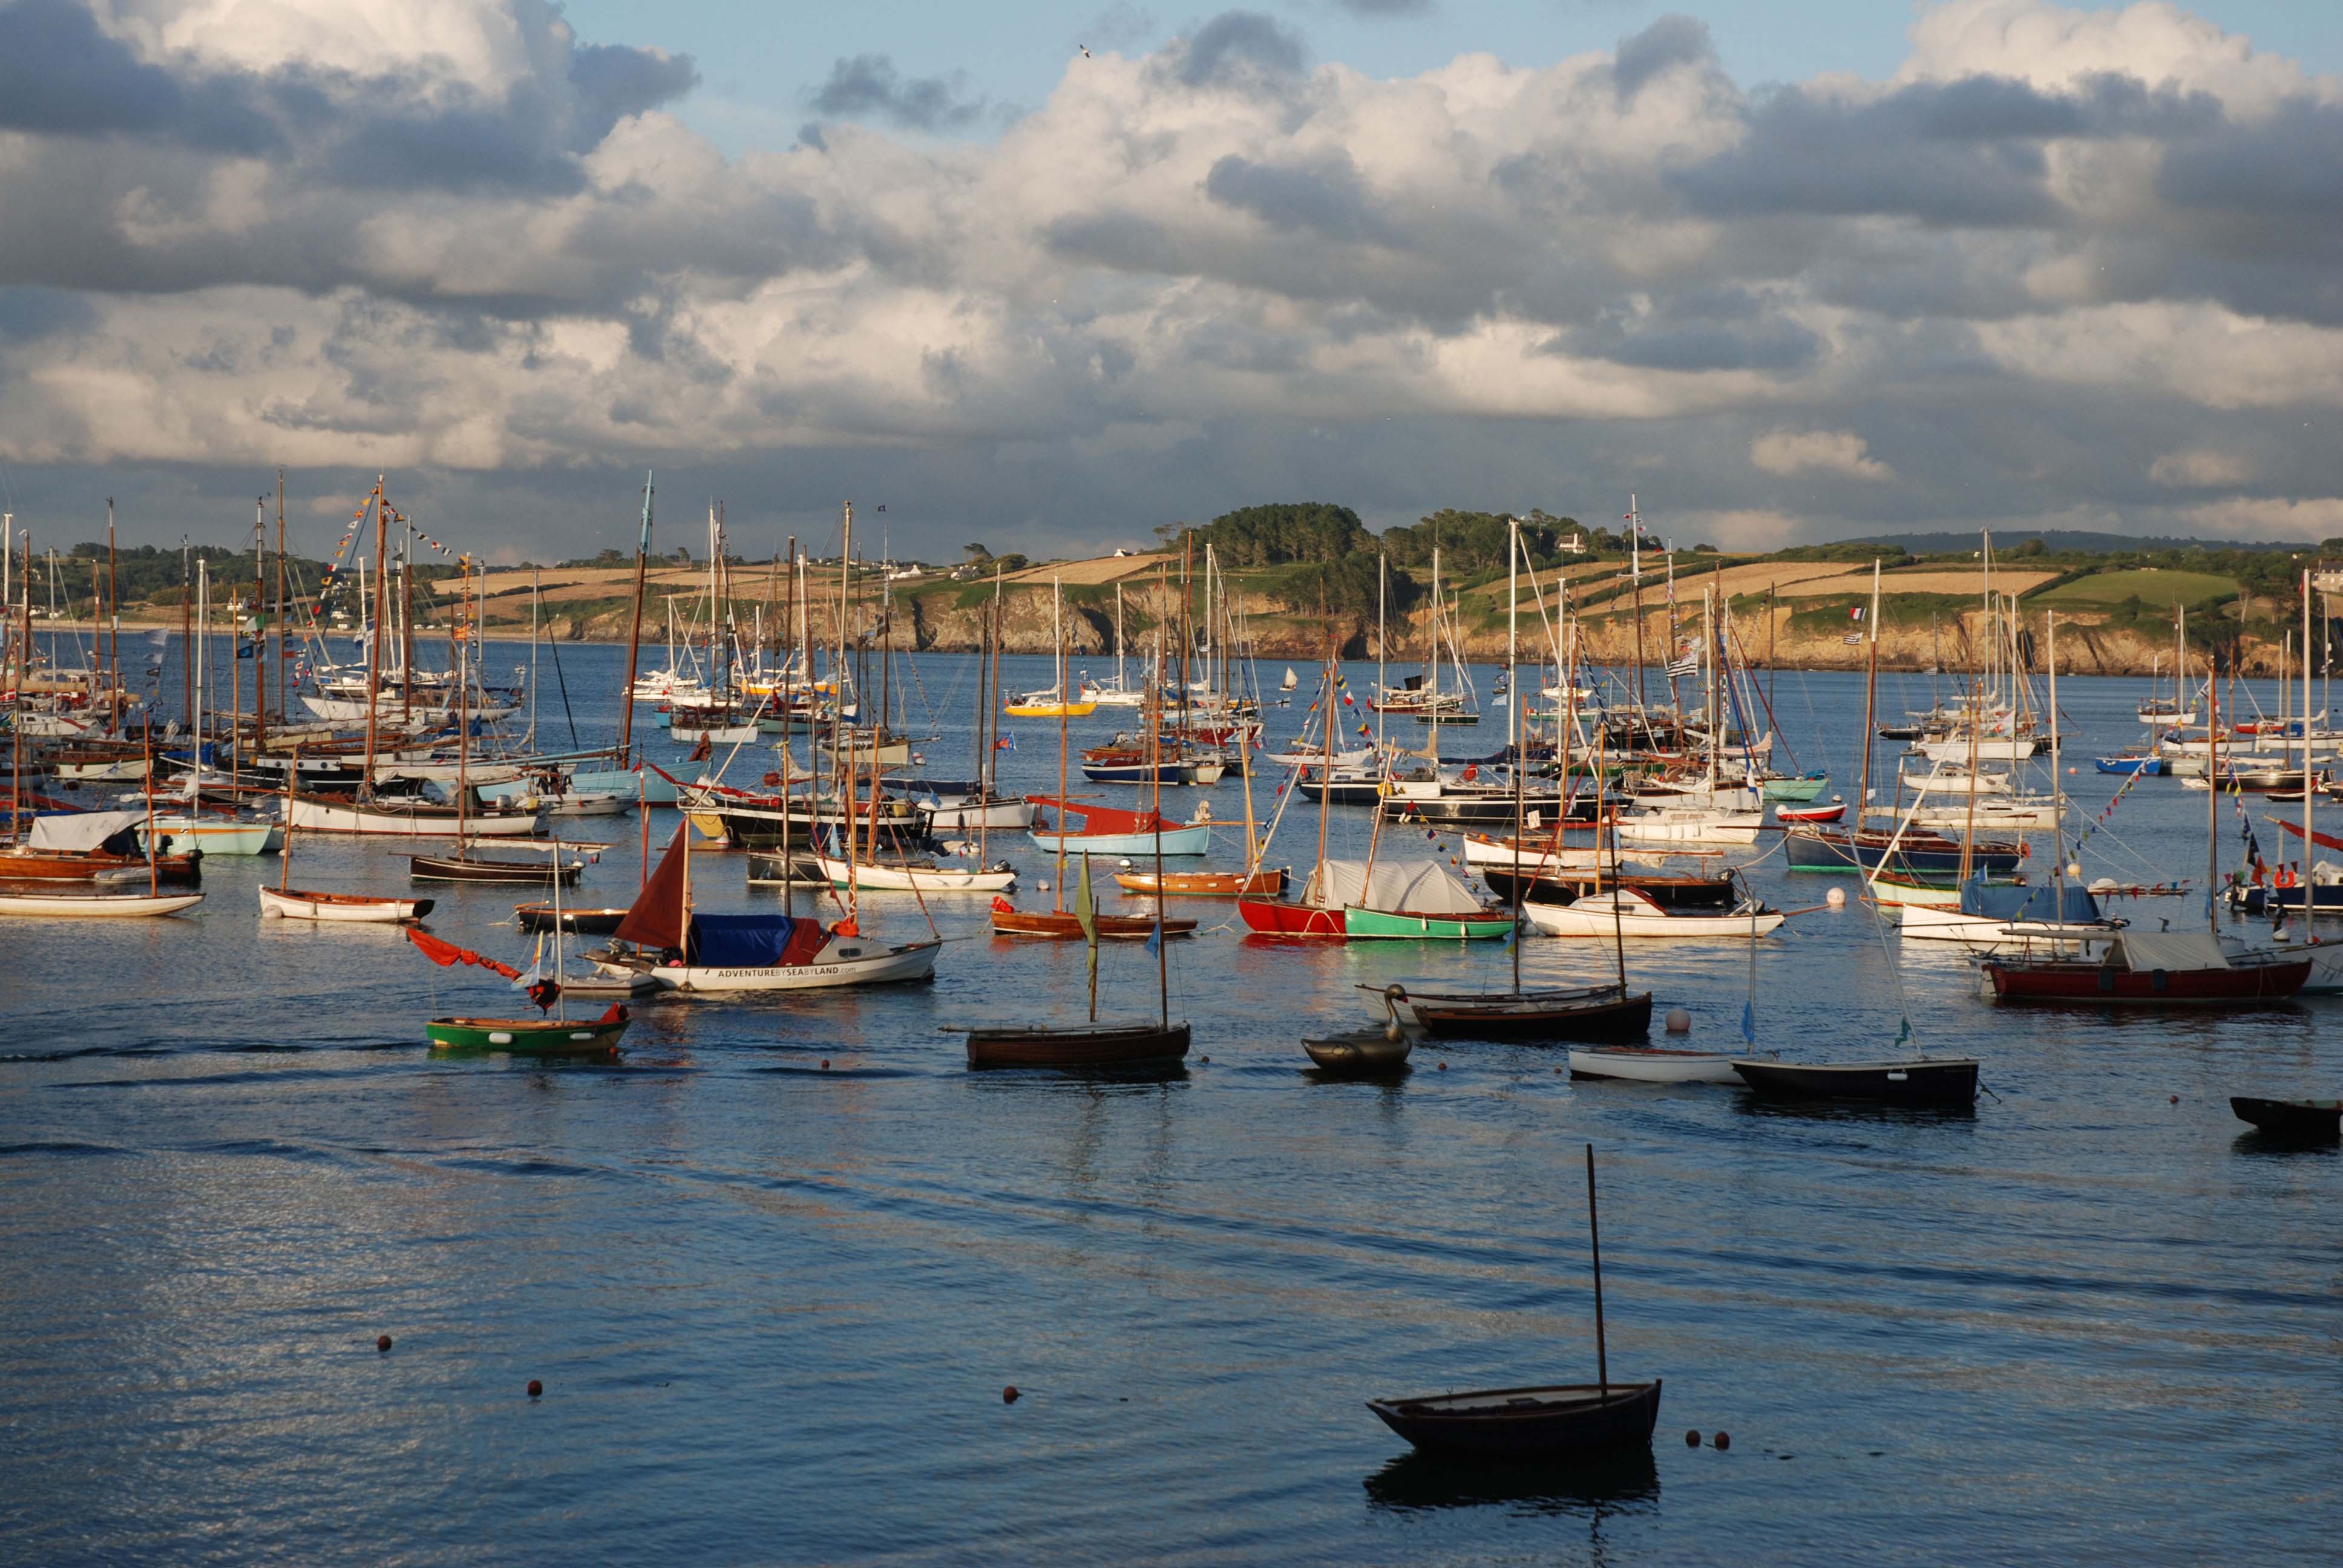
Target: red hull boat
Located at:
point(1276, 918)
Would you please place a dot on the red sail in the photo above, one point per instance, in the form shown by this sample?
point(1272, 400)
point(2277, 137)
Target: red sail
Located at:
point(447, 954)
point(2322, 840)
point(1097, 818)
point(655, 918)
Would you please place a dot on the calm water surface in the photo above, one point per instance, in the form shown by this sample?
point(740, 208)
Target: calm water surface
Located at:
point(776, 1267)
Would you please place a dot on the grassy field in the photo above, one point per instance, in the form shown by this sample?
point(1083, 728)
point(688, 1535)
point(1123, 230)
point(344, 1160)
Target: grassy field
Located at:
point(2150, 586)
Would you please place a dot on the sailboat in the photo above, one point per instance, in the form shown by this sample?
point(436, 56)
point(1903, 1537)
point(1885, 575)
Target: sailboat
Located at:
point(1055, 702)
point(1588, 1420)
point(1121, 694)
point(552, 1033)
point(1156, 1045)
point(706, 954)
point(284, 901)
point(2161, 969)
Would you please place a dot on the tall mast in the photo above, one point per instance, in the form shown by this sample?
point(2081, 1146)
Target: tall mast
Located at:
point(845, 591)
point(1513, 737)
point(2057, 790)
point(1383, 696)
point(1870, 712)
point(2309, 898)
point(459, 639)
point(114, 617)
point(1635, 578)
point(374, 638)
point(2213, 795)
point(635, 632)
point(187, 646)
point(260, 613)
point(278, 618)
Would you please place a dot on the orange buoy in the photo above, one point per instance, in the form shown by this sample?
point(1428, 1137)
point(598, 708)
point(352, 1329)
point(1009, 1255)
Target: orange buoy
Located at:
point(1692, 1438)
point(1723, 1443)
point(825, 1064)
point(535, 1388)
point(1009, 1395)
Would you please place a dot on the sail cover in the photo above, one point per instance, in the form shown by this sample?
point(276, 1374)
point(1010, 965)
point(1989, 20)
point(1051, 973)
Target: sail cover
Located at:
point(752, 941)
point(2145, 951)
point(80, 832)
point(655, 918)
point(1417, 887)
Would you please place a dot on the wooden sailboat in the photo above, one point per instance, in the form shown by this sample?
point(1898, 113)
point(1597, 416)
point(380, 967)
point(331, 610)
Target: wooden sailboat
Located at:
point(1154, 1045)
point(1584, 1420)
point(552, 1033)
point(1056, 702)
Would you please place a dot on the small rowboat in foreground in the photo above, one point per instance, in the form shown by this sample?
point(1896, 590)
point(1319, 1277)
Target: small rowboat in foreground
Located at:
point(94, 906)
point(1922, 1081)
point(1810, 813)
point(294, 904)
point(1093, 1047)
point(1528, 1423)
point(531, 1036)
point(1652, 1064)
point(2305, 1121)
point(1597, 1420)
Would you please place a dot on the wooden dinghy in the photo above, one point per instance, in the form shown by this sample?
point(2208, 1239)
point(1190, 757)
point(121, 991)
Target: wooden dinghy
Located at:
point(1205, 884)
point(298, 904)
point(1598, 1420)
point(531, 1036)
point(1514, 1424)
point(1065, 926)
point(1652, 1064)
point(1569, 1012)
point(2303, 1120)
point(94, 905)
point(542, 872)
point(1092, 1047)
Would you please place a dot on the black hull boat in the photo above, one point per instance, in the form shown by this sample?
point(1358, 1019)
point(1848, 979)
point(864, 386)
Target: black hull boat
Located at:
point(1522, 1423)
point(1369, 1052)
point(2298, 1120)
point(1092, 1047)
point(1925, 1083)
point(542, 872)
point(579, 922)
point(1581, 1013)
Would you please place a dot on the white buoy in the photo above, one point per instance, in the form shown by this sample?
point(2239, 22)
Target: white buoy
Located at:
point(1835, 898)
point(1042, 886)
point(2074, 867)
point(1679, 1021)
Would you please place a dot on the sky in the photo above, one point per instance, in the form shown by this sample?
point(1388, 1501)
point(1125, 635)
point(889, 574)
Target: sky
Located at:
point(1781, 271)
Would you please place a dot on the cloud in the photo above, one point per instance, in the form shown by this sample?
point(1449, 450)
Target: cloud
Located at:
point(1806, 451)
point(1387, 7)
point(2199, 469)
point(2271, 516)
point(869, 86)
point(2063, 264)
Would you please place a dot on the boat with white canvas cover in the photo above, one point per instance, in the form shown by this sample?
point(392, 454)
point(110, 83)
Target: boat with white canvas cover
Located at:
point(1689, 825)
point(95, 905)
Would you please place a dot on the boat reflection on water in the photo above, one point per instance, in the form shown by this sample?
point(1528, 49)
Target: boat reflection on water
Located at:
point(1417, 1482)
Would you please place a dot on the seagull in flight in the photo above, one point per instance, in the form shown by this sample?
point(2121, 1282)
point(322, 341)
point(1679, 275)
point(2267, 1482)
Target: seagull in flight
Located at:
point(1085, 48)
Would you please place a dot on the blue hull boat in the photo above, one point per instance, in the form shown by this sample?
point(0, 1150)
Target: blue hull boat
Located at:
point(2150, 766)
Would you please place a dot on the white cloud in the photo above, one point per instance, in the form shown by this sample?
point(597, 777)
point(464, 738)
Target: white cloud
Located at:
point(2199, 469)
point(2243, 517)
point(1831, 451)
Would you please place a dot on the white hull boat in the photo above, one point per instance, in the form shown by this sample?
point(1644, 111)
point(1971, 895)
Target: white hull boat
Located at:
point(916, 878)
point(1652, 1064)
point(968, 816)
point(94, 906)
point(431, 820)
point(1690, 825)
point(846, 961)
point(1625, 912)
point(339, 909)
point(1986, 749)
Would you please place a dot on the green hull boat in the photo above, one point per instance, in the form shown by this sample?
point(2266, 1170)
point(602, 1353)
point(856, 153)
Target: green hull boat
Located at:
point(1358, 923)
point(529, 1036)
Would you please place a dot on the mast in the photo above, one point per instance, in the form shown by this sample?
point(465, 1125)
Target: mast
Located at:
point(458, 636)
point(1383, 695)
point(24, 679)
point(2309, 898)
point(635, 632)
point(1058, 883)
point(845, 591)
point(187, 647)
point(278, 618)
point(1870, 713)
point(1635, 578)
point(1594, 1237)
point(2057, 790)
point(114, 616)
point(2213, 795)
point(1326, 778)
point(1513, 738)
point(1162, 963)
point(374, 637)
point(260, 612)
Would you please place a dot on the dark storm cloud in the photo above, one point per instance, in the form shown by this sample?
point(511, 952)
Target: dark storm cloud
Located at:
point(1386, 7)
point(1236, 47)
point(60, 75)
point(1725, 329)
point(1329, 199)
point(1964, 153)
point(1673, 40)
point(868, 86)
